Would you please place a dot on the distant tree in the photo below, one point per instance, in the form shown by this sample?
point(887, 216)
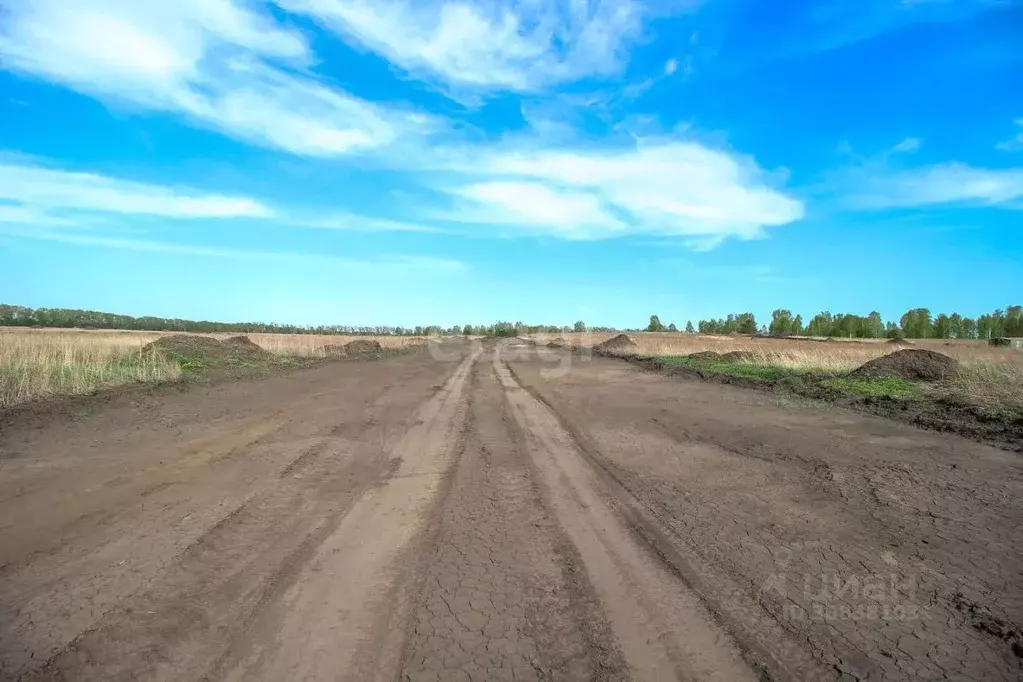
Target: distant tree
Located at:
point(467, 330)
point(943, 327)
point(655, 324)
point(917, 324)
point(579, 326)
point(781, 322)
point(1014, 320)
point(672, 327)
point(689, 327)
point(820, 324)
point(873, 326)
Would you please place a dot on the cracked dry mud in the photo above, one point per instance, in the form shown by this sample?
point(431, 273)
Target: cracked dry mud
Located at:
point(479, 513)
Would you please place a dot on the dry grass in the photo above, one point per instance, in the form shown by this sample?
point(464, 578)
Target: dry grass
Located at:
point(832, 356)
point(996, 386)
point(38, 363)
point(311, 345)
point(990, 377)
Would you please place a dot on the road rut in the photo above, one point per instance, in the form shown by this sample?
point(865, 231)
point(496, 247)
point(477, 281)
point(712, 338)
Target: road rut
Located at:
point(469, 516)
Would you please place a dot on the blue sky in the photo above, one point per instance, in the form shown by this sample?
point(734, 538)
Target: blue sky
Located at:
point(451, 161)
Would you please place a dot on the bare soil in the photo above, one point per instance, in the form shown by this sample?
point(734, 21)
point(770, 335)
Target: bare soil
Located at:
point(911, 363)
point(622, 342)
point(969, 421)
point(362, 346)
point(481, 513)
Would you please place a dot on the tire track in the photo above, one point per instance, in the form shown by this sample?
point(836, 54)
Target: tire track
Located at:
point(184, 616)
point(345, 613)
point(664, 630)
point(495, 601)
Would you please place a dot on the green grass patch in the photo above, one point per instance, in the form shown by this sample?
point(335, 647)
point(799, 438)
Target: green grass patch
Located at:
point(884, 387)
point(888, 387)
point(739, 369)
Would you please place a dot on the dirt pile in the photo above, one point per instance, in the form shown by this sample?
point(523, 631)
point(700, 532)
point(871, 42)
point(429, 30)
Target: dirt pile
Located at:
point(622, 342)
point(911, 364)
point(185, 345)
point(363, 347)
point(335, 350)
point(899, 341)
point(197, 353)
point(738, 356)
point(704, 355)
point(245, 346)
point(557, 343)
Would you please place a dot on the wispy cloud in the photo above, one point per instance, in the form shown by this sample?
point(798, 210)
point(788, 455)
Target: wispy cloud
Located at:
point(910, 144)
point(216, 62)
point(1014, 143)
point(360, 223)
point(390, 262)
point(656, 187)
point(38, 190)
point(882, 188)
point(487, 45)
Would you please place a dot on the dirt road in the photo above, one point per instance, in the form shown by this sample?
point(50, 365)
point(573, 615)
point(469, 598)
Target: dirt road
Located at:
point(500, 513)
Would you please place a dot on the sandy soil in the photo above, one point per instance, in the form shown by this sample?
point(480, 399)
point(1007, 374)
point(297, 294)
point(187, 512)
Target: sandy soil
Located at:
point(489, 516)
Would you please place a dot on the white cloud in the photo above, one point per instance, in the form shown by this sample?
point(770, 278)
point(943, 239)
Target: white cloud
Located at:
point(1014, 143)
point(360, 223)
point(25, 215)
point(910, 144)
point(670, 67)
point(37, 191)
point(659, 187)
point(488, 44)
point(213, 61)
point(393, 263)
point(879, 188)
point(536, 207)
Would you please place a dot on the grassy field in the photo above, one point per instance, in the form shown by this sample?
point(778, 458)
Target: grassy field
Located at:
point(38, 363)
point(989, 377)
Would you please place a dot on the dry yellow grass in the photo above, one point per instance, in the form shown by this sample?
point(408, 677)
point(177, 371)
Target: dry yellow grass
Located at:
point(37, 363)
point(988, 376)
point(832, 356)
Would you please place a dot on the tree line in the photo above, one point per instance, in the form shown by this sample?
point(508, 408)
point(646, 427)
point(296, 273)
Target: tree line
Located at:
point(917, 323)
point(20, 316)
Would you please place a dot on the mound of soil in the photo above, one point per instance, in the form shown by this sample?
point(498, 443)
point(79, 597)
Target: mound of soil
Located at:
point(617, 343)
point(899, 341)
point(186, 345)
point(737, 356)
point(245, 346)
point(704, 355)
point(362, 347)
point(911, 364)
point(557, 343)
point(334, 350)
point(208, 352)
